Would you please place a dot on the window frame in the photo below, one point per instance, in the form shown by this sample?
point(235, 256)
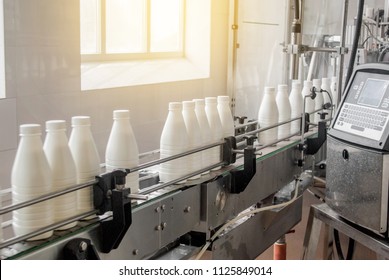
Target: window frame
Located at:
point(104, 56)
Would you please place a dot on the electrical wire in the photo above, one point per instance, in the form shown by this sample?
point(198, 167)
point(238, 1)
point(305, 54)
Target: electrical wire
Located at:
point(357, 34)
point(252, 212)
point(371, 34)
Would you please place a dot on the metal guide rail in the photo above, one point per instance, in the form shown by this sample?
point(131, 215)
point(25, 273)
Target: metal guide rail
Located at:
point(109, 200)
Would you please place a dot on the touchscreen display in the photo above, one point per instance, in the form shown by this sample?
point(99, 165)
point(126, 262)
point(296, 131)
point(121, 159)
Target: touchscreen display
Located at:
point(372, 92)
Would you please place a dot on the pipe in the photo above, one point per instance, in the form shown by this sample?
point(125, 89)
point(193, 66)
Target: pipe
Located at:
point(295, 40)
point(342, 45)
point(357, 34)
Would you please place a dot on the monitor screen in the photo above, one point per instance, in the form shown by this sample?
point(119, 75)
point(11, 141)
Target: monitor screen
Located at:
point(372, 92)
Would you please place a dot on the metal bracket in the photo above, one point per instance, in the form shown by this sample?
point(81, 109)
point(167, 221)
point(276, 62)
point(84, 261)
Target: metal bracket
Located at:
point(241, 178)
point(314, 144)
point(110, 195)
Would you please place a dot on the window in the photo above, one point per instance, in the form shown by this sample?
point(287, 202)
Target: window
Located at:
point(131, 29)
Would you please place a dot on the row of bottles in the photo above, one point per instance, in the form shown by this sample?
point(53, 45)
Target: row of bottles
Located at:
point(280, 106)
point(58, 163)
point(193, 124)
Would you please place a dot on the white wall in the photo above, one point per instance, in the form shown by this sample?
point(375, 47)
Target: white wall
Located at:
point(43, 78)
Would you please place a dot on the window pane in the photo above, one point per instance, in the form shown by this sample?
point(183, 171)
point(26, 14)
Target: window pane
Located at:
point(165, 25)
point(90, 17)
point(125, 24)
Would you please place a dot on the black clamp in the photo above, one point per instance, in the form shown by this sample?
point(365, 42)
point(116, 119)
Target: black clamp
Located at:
point(109, 194)
point(314, 144)
point(242, 177)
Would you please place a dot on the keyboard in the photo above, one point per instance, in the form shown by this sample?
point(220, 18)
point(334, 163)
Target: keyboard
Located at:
point(362, 121)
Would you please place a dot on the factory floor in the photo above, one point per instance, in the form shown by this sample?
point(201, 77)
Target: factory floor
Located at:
point(294, 241)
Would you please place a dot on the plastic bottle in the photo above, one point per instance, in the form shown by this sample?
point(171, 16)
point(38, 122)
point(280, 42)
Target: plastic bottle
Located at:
point(309, 102)
point(334, 92)
point(226, 118)
point(319, 100)
point(205, 131)
point(174, 140)
point(327, 93)
point(284, 111)
point(216, 129)
point(122, 148)
point(31, 177)
point(63, 169)
point(194, 137)
point(296, 104)
point(86, 159)
point(268, 116)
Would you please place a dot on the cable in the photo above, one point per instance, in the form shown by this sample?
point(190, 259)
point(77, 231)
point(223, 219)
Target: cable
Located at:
point(371, 33)
point(252, 212)
point(337, 245)
point(350, 250)
point(329, 96)
point(357, 34)
point(382, 54)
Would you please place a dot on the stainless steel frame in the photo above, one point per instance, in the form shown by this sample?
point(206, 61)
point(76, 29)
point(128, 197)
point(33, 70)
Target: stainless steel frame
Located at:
point(201, 205)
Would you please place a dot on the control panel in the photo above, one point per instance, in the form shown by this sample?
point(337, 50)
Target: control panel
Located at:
point(363, 115)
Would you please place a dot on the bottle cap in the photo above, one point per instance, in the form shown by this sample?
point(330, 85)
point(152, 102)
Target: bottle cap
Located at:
point(30, 129)
point(199, 102)
point(210, 100)
point(223, 98)
point(188, 104)
point(55, 125)
point(121, 114)
point(282, 87)
point(308, 84)
point(80, 120)
point(296, 84)
point(269, 90)
point(317, 83)
point(175, 106)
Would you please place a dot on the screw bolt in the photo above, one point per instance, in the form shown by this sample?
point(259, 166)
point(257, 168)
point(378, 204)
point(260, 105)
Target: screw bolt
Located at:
point(83, 246)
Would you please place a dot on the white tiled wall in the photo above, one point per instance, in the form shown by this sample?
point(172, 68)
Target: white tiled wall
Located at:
point(43, 78)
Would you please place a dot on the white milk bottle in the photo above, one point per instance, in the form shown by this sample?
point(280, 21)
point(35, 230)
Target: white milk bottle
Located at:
point(86, 158)
point(319, 100)
point(216, 129)
point(63, 169)
point(174, 140)
point(268, 116)
point(334, 92)
point(327, 93)
point(205, 131)
point(296, 104)
point(194, 161)
point(31, 177)
point(226, 118)
point(309, 102)
point(284, 111)
point(122, 148)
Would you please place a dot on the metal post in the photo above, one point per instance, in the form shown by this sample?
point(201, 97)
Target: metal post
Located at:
point(342, 45)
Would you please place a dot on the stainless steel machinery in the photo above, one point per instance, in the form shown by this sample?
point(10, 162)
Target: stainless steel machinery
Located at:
point(236, 212)
point(358, 151)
